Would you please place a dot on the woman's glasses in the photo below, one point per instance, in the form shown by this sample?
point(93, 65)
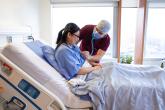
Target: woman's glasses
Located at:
point(77, 35)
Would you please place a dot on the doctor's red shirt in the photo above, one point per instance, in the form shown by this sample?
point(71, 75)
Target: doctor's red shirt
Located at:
point(86, 40)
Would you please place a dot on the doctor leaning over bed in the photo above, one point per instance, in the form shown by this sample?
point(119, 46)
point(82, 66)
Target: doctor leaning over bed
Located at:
point(95, 41)
point(112, 86)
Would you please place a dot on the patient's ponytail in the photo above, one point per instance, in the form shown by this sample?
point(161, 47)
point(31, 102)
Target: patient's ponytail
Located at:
point(59, 36)
point(62, 35)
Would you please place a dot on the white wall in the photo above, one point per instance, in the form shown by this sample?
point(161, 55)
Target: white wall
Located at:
point(20, 13)
point(45, 21)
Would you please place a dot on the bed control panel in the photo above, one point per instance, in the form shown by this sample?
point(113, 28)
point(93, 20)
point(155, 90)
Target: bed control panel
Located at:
point(5, 68)
point(29, 89)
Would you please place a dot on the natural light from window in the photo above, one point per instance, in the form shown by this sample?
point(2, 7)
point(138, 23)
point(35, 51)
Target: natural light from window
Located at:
point(128, 31)
point(81, 16)
point(155, 38)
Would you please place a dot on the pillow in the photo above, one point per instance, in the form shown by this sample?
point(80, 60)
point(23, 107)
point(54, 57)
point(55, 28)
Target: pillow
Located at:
point(48, 53)
point(35, 46)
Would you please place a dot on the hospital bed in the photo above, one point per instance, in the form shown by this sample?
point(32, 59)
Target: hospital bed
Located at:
point(30, 83)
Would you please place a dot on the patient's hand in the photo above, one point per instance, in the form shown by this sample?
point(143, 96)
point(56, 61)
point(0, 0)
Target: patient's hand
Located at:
point(98, 67)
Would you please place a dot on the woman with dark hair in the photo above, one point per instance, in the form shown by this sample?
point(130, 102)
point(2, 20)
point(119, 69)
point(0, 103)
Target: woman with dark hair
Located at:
point(67, 53)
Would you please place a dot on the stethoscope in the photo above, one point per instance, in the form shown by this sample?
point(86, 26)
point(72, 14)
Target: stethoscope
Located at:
point(92, 44)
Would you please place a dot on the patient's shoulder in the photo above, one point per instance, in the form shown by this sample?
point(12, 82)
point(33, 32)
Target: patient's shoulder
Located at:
point(64, 50)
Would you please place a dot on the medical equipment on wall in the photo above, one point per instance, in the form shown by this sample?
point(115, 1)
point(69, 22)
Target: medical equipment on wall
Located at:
point(15, 35)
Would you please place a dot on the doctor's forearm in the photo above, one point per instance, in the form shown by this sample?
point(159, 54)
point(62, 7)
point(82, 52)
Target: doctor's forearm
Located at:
point(95, 58)
point(98, 56)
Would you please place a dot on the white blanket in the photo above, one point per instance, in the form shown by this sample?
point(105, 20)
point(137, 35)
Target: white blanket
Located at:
point(125, 87)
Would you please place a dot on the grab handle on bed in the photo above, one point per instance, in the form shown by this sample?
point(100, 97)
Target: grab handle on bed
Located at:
point(31, 38)
point(14, 104)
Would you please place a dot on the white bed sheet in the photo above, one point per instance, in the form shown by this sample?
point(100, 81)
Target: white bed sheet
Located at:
point(41, 71)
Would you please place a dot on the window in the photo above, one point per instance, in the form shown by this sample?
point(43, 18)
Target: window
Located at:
point(128, 31)
point(81, 16)
point(155, 38)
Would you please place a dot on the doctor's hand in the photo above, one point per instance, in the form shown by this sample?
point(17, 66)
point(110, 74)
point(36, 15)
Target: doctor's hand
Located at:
point(93, 63)
point(85, 54)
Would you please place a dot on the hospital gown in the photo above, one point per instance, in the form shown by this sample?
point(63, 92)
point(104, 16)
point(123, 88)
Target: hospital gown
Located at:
point(69, 60)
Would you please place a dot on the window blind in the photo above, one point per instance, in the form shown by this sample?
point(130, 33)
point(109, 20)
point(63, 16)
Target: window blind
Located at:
point(156, 3)
point(87, 3)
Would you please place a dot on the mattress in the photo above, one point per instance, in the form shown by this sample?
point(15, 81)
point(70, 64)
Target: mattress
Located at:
point(40, 70)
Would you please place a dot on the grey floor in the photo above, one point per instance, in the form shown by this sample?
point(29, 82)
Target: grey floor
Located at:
point(1, 108)
point(2, 101)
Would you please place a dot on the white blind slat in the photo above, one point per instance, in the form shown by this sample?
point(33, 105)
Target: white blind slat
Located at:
point(156, 3)
point(130, 3)
point(86, 5)
point(81, 1)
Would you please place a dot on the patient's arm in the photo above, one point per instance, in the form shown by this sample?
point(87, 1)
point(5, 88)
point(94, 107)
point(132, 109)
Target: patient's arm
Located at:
point(94, 58)
point(86, 70)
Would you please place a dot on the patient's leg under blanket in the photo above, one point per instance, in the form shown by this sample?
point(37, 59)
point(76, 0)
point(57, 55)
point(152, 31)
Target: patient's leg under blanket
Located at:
point(125, 87)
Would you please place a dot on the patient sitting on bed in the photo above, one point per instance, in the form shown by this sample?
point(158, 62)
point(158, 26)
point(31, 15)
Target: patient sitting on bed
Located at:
point(67, 54)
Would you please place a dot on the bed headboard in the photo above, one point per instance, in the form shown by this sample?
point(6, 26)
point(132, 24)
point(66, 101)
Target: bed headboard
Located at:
point(15, 35)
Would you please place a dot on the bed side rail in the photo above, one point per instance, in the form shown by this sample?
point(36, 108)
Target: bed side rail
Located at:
point(16, 78)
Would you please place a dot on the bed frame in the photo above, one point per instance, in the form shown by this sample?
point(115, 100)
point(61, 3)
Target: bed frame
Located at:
point(11, 77)
point(13, 94)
